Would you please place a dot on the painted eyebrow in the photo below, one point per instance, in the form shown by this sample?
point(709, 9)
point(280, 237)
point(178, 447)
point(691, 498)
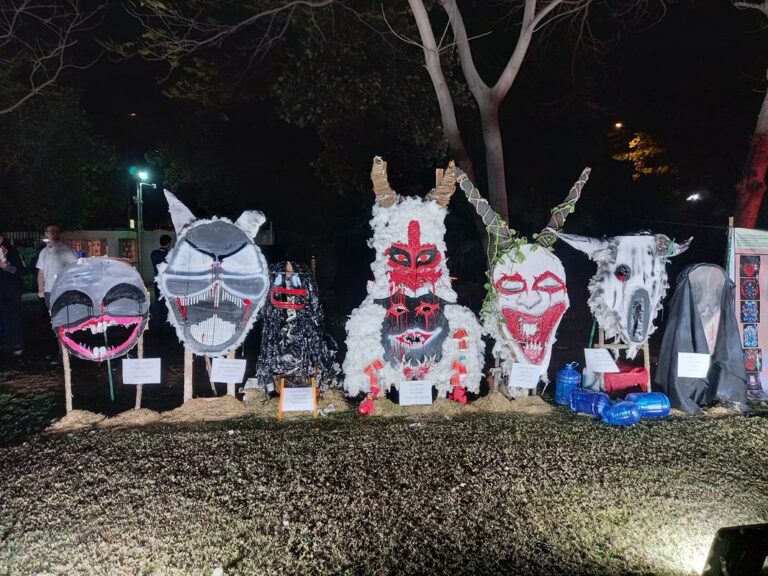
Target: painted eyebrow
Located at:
point(124, 290)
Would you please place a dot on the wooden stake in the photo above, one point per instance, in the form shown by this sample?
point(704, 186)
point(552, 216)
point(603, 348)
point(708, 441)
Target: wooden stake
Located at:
point(188, 364)
point(67, 379)
point(231, 385)
point(139, 386)
point(314, 395)
point(280, 401)
point(209, 368)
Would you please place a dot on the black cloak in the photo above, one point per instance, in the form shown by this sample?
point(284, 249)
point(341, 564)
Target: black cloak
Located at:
point(726, 380)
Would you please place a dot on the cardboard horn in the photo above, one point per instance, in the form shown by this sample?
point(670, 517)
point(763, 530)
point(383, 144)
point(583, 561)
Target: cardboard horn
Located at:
point(385, 196)
point(445, 185)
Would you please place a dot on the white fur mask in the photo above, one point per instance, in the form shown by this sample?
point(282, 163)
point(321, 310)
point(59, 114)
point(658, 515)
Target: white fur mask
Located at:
point(627, 290)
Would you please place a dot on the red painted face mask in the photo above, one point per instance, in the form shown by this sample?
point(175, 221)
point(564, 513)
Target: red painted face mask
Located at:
point(414, 265)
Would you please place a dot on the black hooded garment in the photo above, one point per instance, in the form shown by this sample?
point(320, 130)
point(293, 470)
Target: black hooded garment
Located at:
point(726, 380)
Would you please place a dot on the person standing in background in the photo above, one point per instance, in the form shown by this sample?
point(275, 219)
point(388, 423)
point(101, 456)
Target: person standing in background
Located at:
point(159, 316)
point(11, 270)
point(52, 260)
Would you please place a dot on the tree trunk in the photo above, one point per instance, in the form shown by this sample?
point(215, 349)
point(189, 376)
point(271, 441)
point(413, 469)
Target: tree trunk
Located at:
point(750, 189)
point(494, 158)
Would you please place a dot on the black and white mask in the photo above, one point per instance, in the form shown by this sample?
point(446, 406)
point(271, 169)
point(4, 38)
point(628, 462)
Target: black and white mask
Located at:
point(215, 280)
point(99, 308)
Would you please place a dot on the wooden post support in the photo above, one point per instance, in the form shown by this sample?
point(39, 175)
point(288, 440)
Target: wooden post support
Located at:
point(280, 400)
point(314, 395)
point(67, 379)
point(139, 386)
point(231, 385)
point(188, 369)
point(616, 345)
point(209, 369)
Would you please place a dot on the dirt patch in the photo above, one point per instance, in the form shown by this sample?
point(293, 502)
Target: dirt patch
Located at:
point(141, 417)
point(208, 410)
point(19, 383)
point(77, 420)
point(332, 401)
point(719, 412)
point(442, 407)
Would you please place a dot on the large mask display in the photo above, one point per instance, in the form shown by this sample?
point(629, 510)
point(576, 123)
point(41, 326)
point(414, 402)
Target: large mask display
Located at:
point(627, 290)
point(294, 344)
point(409, 327)
point(527, 295)
point(99, 308)
point(215, 280)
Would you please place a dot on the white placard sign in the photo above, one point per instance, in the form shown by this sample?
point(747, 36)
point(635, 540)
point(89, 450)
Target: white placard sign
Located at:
point(414, 392)
point(298, 399)
point(141, 370)
point(600, 360)
point(228, 371)
point(690, 365)
point(524, 375)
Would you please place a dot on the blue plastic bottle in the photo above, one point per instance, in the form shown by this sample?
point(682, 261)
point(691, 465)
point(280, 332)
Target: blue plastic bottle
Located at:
point(568, 379)
point(651, 405)
point(588, 402)
point(622, 414)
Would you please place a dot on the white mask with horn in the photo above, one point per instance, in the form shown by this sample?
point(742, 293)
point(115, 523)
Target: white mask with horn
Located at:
point(215, 280)
point(527, 295)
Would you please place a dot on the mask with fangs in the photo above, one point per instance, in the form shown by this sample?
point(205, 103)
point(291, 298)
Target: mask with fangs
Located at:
point(410, 327)
point(99, 308)
point(215, 280)
point(527, 295)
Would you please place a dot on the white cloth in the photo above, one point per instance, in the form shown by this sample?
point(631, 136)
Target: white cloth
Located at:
point(52, 260)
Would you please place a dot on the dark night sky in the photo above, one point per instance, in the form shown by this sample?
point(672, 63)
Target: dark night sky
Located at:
point(693, 80)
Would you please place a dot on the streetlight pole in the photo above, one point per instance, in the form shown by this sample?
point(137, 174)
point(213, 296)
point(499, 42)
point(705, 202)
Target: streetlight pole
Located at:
point(142, 175)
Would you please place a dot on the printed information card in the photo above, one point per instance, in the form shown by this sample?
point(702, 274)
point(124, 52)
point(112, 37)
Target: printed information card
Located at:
point(690, 365)
point(298, 399)
point(228, 371)
point(524, 375)
point(414, 392)
point(141, 371)
point(600, 360)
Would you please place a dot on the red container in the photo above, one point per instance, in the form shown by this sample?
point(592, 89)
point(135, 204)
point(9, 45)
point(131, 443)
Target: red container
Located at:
point(631, 379)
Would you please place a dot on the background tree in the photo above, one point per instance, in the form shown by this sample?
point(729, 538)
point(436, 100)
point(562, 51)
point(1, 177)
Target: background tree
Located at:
point(37, 43)
point(750, 189)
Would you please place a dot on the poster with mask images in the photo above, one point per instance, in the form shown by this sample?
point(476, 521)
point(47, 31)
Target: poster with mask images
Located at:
point(214, 281)
point(527, 296)
point(99, 308)
point(409, 327)
point(748, 268)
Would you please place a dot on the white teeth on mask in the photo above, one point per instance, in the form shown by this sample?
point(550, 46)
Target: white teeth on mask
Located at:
point(213, 332)
point(529, 329)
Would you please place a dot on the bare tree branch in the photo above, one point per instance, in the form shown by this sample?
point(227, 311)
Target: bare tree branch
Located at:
point(36, 41)
point(760, 6)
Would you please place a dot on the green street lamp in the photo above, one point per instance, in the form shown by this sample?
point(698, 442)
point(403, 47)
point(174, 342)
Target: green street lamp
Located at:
point(141, 176)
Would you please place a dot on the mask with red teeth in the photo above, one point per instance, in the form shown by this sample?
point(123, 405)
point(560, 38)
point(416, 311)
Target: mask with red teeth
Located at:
point(99, 308)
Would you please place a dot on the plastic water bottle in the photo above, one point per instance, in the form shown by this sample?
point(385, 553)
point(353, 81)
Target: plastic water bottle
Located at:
point(622, 414)
point(568, 379)
point(588, 402)
point(651, 405)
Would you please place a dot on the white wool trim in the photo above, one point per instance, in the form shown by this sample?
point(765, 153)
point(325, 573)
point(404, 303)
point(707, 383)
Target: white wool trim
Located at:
point(363, 345)
point(459, 318)
point(390, 225)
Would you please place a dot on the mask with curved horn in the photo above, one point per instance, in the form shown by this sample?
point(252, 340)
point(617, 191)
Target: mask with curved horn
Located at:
point(385, 196)
point(497, 228)
point(548, 235)
point(445, 185)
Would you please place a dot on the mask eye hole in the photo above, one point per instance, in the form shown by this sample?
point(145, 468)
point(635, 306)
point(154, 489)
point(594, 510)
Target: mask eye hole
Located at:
point(397, 310)
point(427, 308)
point(399, 256)
point(623, 273)
point(509, 285)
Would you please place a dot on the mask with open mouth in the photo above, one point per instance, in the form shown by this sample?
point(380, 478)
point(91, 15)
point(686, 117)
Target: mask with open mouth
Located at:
point(409, 327)
point(99, 308)
point(413, 333)
point(627, 290)
point(527, 295)
point(215, 280)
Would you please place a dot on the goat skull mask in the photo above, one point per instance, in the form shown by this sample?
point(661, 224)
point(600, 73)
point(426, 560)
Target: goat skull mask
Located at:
point(215, 280)
point(99, 308)
point(630, 283)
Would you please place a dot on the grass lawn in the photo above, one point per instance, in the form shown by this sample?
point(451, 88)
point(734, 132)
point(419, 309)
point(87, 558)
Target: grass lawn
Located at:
point(475, 494)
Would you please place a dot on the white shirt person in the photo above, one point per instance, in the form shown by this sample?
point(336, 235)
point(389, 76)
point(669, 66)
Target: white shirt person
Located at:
point(51, 261)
